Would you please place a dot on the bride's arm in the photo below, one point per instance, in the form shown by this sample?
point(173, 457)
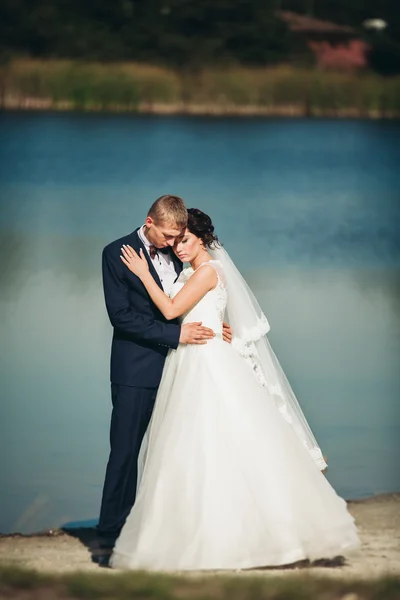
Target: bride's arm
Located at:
point(197, 286)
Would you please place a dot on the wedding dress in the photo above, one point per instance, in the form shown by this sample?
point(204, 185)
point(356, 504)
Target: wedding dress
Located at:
point(227, 483)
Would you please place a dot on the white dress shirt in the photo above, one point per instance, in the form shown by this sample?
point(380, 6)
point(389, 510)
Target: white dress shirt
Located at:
point(163, 264)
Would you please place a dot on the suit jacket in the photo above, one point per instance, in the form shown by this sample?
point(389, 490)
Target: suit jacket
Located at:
point(142, 336)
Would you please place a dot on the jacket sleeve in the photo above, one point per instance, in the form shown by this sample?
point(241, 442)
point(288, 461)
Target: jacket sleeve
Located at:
point(123, 316)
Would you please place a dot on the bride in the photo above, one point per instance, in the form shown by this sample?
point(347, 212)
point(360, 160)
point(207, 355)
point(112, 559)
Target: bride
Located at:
point(232, 474)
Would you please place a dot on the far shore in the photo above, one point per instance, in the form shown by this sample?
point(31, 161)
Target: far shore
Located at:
point(378, 520)
point(214, 91)
point(33, 104)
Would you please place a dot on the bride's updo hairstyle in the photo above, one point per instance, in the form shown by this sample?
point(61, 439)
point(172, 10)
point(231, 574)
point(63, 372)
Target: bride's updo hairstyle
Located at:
point(201, 226)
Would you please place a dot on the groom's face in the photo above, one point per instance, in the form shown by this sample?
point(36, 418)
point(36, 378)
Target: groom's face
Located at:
point(162, 235)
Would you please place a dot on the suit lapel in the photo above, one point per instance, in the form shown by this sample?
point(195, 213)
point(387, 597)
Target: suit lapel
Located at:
point(136, 245)
point(177, 264)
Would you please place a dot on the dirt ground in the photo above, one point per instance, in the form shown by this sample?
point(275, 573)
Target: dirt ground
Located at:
point(378, 520)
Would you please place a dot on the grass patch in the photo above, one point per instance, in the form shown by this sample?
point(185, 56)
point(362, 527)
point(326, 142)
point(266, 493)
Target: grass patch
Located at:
point(89, 86)
point(134, 585)
point(130, 87)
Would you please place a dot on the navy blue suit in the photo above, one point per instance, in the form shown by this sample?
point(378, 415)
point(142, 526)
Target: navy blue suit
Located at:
point(141, 339)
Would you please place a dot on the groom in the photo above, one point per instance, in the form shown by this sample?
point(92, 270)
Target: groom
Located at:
point(141, 339)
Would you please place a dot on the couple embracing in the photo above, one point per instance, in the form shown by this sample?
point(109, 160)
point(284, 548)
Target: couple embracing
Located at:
point(212, 462)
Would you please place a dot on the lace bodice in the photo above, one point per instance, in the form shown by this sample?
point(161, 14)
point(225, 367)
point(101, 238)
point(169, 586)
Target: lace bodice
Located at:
point(211, 308)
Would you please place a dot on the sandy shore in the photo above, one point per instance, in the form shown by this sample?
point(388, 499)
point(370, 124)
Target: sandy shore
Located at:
point(378, 519)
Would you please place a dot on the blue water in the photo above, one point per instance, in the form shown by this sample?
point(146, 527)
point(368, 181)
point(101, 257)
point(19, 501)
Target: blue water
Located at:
point(309, 210)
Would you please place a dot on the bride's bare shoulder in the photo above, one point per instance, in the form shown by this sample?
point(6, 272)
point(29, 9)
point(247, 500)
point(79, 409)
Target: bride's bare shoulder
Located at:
point(205, 273)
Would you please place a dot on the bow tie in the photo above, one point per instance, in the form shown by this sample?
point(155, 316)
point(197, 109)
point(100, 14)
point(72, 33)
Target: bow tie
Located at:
point(153, 251)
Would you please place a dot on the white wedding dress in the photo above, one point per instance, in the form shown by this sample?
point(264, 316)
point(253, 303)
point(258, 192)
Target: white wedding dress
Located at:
point(226, 484)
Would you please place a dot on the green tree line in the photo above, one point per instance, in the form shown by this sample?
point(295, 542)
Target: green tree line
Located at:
point(185, 33)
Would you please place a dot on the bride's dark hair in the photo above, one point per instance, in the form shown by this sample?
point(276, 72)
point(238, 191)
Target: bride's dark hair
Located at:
point(201, 226)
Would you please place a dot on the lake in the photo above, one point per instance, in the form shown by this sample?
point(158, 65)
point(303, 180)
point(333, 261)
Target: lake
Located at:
point(308, 209)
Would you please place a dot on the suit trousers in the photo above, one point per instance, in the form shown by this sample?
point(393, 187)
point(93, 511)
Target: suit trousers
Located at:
point(131, 413)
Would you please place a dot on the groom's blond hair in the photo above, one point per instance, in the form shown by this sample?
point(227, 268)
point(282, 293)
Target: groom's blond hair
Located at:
point(169, 210)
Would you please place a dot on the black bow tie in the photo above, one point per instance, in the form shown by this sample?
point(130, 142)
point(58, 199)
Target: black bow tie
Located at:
point(153, 251)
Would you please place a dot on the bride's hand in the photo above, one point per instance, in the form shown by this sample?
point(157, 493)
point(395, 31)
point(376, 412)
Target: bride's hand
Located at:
point(136, 263)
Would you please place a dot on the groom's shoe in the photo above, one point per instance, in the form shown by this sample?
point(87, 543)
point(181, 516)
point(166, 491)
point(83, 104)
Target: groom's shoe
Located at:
point(102, 553)
point(103, 560)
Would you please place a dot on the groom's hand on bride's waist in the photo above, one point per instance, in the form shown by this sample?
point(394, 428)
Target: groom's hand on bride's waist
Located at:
point(195, 333)
point(226, 333)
